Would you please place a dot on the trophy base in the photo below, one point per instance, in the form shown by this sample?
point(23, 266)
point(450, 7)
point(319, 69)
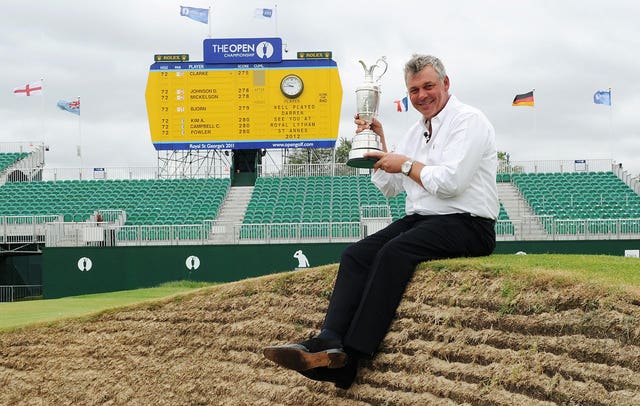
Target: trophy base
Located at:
point(366, 141)
point(357, 160)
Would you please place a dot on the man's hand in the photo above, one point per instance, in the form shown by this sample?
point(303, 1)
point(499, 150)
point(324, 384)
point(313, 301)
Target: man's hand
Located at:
point(388, 162)
point(375, 126)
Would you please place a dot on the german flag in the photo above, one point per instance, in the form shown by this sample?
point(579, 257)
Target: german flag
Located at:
point(525, 99)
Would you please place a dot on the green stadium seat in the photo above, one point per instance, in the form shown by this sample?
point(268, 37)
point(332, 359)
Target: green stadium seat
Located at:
point(579, 196)
point(146, 201)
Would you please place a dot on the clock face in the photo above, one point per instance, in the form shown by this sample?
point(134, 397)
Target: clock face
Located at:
point(291, 86)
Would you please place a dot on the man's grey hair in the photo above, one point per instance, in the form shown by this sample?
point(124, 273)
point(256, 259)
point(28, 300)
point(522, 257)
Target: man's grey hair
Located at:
point(419, 62)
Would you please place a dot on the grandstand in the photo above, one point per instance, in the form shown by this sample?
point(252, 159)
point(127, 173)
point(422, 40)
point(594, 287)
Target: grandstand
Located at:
point(599, 201)
point(538, 201)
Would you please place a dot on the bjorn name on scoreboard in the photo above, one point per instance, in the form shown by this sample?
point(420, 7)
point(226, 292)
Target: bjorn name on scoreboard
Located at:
point(243, 95)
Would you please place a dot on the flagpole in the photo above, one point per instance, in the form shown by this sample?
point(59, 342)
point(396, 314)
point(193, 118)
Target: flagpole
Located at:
point(610, 115)
point(209, 21)
point(610, 122)
point(80, 138)
point(276, 19)
point(406, 116)
point(42, 113)
point(535, 119)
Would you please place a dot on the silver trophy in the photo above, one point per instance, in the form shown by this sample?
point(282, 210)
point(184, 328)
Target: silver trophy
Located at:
point(367, 102)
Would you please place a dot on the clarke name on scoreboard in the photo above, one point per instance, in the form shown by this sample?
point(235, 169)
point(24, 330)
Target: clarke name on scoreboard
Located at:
point(289, 104)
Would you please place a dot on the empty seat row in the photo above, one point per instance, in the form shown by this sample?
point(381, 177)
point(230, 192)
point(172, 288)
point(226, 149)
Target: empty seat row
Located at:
point(174, 201)
point(8, 158)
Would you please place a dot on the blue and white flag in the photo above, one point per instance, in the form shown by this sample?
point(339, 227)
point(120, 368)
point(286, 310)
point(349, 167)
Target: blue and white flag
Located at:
point(602, 97)
point(70, 106)
point(197, 14)
point(263, 13)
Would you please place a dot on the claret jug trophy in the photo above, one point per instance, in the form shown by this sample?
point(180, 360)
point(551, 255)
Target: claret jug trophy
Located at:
point(367, 103)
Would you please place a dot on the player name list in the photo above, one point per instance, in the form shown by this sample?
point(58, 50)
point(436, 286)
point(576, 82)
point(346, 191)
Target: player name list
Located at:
point(242, 104)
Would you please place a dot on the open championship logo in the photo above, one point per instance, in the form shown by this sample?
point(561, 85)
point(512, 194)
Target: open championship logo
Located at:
point(85, 264)
point(264, 50)
point(192, 263)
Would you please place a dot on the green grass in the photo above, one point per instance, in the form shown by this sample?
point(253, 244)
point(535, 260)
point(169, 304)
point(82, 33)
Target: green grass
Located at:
point(21, 314)
point(609, 272)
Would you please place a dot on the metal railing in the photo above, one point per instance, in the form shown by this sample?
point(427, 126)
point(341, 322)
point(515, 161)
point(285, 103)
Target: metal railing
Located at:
point(101, 174)
point(544, 228)
point(341, 169)
point(24, 146)
point(103, 235)
point(299, 232)
point(375, 211)
point(305, 170)
point(54, 232)
point(556, 166)
point(633, 181)
point(549, 228)
point(195, 234)
point(24, 229)
point(13, 293)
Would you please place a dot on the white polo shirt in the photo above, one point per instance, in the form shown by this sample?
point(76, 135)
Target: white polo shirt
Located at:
point(461, 163)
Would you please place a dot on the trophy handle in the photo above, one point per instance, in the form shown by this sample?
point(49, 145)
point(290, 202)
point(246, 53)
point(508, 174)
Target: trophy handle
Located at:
point(384, 61)
point(369, 71)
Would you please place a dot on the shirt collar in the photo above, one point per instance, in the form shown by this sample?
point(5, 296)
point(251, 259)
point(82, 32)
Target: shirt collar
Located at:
point(438, 119)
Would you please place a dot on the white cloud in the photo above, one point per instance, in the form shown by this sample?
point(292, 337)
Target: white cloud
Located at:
point(493, 50)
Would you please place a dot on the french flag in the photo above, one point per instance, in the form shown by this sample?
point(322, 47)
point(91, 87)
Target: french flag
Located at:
point(402, 105)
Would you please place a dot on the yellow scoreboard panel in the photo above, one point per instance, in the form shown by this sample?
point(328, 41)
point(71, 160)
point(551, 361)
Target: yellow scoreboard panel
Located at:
point(290, 104)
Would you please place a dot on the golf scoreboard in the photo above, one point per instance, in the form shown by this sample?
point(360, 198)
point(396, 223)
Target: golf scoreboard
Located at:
point(285, 104)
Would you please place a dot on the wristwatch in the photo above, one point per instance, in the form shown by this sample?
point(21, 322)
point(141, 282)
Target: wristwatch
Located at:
point(406, 167)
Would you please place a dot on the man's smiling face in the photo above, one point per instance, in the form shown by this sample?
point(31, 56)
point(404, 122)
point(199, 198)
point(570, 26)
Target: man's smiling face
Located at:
point(427, 92)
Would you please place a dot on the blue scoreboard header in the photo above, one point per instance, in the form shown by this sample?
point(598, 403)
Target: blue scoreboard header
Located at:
point(242, 50)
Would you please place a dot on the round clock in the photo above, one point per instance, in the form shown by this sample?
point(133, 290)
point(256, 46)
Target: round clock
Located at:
point(291, 86)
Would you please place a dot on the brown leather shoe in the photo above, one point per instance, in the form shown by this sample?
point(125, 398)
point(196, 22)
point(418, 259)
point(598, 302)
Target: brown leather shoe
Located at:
point(342, 377)
point(309, 354)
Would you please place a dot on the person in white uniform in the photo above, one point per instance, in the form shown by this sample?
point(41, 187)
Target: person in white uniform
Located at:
point(446, 163)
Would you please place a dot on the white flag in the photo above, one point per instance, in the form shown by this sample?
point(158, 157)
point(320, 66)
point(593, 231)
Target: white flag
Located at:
point(30, 89)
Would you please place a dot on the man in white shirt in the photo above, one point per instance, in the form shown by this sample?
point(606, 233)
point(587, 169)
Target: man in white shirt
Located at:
point(446, 164)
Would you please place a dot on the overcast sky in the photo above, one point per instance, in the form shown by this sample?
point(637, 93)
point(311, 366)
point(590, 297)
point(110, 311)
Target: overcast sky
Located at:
point(492, 49)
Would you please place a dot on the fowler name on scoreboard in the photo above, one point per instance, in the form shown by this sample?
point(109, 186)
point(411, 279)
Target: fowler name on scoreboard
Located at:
point(290, 104)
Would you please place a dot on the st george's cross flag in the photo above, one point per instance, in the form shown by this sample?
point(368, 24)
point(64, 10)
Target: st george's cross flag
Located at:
point(30, 89)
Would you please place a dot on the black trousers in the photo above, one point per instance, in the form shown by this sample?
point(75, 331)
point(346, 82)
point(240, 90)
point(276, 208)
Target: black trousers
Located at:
point(374, 272)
